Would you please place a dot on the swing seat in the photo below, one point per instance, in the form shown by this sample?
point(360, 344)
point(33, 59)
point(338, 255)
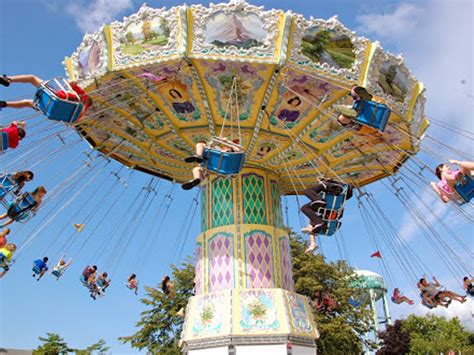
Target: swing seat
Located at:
point(333, 210)
point(100, 284)
point(56, 273)
point(36, 270)
point(354, 303)
point(55, 108)
point(223, 163)
point(331, 228)
point(3, 141)
point(6, 185)
point(22, 208)
point(427, 305)
point(372, 114)
point(465, 189)
point(335, 202)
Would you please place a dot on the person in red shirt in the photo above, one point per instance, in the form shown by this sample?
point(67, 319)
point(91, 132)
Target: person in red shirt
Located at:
point(16, 132)
point(3, 237)
point(36, 81)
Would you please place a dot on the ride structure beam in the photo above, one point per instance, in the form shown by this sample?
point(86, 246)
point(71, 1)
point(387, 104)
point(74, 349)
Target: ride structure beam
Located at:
point(244, 280)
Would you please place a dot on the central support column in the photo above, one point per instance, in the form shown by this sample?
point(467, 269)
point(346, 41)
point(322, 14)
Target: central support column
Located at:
point(244, 280)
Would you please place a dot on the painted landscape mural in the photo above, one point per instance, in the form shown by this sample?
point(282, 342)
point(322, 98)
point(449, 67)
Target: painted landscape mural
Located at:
point(149, 34)
point(327, 46)
point(236, 29)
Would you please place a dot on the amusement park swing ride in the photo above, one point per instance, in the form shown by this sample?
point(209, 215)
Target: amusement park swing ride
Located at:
point(265, 89)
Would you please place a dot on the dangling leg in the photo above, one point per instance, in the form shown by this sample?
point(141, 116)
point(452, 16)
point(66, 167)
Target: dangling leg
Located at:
point(466, 166)
point(197, 158)
point(313, 193)
point(17, 104)
point(312, 244)
point(344, 120)
point(198, 176)
point(454, 296)
point(406, 299)
point(31, 79)
point(315, 219)
point(7, 223)
point(308, 212)
point(200, 148)
point(43, 271)
point(5, 270)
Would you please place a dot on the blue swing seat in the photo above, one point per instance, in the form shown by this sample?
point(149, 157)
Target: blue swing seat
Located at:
point(465, 189)
point(56, 273)
point(333, 210)
point(7, 184)
point(52, 106)
point(354, 303)
point(3, 141)
point(36, 270)
point(22, 207)
point(331, 228)
point(223, 163)
point(372, 114)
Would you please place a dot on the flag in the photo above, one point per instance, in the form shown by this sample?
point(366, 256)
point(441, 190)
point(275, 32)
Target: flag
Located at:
point(376, 255)
point(79, 227)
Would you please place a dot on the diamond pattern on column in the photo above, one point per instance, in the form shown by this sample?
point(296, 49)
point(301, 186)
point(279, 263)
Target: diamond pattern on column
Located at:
point(253, 189)
point(222, 207)
point(286, 264)
point(203, 209)
point(259, 260)
point(276, 205)
point(221, 262)
point(198, 279)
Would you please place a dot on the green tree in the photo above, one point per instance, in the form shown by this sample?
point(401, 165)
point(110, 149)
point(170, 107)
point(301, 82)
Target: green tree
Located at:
point(394, 339)
point(432, 335)
point(160, 326)
point(97, 348)
point(165, 30)
point(130, 38)
point(53, 344)
point(341, 332)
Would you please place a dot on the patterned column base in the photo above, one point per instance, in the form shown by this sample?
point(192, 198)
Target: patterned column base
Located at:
point(248, 316)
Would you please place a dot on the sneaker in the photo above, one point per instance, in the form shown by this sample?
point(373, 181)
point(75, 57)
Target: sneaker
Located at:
point(4, 80)
point(194, 159)
point(190, 184)
point(3, 104)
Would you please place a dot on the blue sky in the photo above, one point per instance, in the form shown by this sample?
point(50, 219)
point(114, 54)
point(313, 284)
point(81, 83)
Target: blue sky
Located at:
point(35, 36)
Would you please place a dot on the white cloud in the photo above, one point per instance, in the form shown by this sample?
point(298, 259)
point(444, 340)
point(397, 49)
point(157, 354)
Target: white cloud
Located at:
point(401, 22)
point(438, 211)
point(464, 311)
point(90, 17)
point(435, 41)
